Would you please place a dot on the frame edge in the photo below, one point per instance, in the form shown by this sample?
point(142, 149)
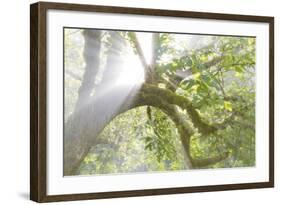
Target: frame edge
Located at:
point(34, 187)
point(271, 101)
point(37, 102)
point(154, 12)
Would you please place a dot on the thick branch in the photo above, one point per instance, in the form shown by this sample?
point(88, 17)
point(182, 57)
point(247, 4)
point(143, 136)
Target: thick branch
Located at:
point(156, 100)
point(138, 49)
point(199, 163)
point(136, 45)
point(91, 55)
point(155, 46)
point(172, 98)
point(172, 111)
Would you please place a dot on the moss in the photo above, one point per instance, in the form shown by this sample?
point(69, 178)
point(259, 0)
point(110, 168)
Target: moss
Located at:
point(199, 163)
point(168, 97)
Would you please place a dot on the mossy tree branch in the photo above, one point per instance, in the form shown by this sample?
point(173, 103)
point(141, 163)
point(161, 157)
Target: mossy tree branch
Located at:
point(155, 99)
point(174, 99)
point(204, 162)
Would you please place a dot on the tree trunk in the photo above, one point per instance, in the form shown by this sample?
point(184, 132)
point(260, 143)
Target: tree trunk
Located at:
point(93, 102)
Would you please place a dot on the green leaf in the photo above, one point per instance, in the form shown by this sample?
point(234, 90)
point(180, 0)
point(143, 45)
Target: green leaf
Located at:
point(228, 106)
point(197, 76)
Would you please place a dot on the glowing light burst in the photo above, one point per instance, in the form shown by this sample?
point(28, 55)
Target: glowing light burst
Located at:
point(132, 72)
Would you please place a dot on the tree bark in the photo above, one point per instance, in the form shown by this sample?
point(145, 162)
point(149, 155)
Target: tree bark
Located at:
point(76, 130)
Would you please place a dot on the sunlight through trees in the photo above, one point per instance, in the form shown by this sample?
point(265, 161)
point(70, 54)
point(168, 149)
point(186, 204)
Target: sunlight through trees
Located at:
point(141, 101)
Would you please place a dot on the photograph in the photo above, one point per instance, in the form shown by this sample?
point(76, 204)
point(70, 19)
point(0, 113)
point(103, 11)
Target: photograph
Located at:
point(146, 101)
point(129, 101)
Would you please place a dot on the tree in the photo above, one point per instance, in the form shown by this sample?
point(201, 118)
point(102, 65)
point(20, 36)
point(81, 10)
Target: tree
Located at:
point(207, 92)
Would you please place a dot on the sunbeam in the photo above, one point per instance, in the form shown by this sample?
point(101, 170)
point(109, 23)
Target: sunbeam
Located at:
point(132, 72)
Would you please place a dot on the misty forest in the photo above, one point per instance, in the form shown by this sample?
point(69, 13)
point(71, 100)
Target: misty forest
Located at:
point(146, 102)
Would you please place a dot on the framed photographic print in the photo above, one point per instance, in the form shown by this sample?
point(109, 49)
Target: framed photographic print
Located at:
point(134, 102)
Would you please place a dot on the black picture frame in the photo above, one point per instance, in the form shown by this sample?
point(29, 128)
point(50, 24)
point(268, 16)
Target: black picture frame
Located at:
point(38, 100)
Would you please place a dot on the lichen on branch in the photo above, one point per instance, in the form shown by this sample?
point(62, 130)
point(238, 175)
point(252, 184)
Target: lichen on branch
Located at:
point(167, 96)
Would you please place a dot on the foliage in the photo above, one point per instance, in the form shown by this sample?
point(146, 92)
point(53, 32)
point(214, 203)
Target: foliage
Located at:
point(135, 148)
